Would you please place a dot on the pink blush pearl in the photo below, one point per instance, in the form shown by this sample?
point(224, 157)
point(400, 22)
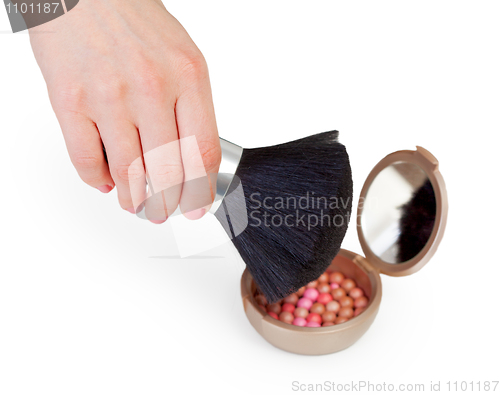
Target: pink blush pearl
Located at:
point(305, 302)
point(299, 321)
point(311, 293)
point(334, 286)
point(288, 307)
point(273, 314)
point(313, 324)
point(314, 317)
point(325, 298)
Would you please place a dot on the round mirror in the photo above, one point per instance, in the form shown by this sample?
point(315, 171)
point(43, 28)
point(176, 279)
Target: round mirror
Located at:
point(399, 212)
point(402, 212)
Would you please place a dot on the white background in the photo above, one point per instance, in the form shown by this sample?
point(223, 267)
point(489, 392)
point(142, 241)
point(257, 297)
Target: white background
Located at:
point(94, 300)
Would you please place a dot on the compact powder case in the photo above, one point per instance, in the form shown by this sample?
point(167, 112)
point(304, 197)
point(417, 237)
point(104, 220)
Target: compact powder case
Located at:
point(401, 218)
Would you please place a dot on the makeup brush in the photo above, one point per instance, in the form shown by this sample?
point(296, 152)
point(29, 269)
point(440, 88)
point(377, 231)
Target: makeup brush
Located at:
point(286, 208)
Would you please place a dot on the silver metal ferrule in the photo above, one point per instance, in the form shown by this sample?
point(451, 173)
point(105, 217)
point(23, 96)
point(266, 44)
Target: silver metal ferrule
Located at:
point(231, 155)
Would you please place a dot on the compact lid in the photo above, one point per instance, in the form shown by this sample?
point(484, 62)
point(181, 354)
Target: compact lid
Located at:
point(402, 212)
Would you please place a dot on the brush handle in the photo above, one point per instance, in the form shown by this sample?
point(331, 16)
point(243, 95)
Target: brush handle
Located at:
point(231, 155)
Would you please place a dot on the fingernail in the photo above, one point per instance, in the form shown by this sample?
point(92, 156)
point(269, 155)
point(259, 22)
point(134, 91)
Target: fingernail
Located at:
point(157, 222)
point(130, 210)
point(105, 188)
point(195, 214)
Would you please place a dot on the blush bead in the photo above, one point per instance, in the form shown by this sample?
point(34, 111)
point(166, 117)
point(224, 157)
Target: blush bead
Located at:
point(327, 324)
point(314, 317)
point(323, 288)
point(358, 311)
point(301, 312)
point(299, 321)
point(301, 291)
point(338, 293)
point(324, 278)
point(312, 284)
point(313, 324)
point(328, 316)
point(318, 308)
point(346, 301)
point(345, 312)
point(292, 299)
point(356, 293)
point(334, 285)
point(361, 302)
point(333, 306)
point(336, 277)
point(288, 307)
point(312, 294)
point(274, 307)
point(305, 303)
point(340, 320)
point(274, 315)
point(348, 284)
point(325, 298)
point(261, 299)
point(286, 317)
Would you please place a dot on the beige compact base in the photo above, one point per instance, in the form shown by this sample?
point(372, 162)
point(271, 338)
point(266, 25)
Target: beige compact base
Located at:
point(318, 341)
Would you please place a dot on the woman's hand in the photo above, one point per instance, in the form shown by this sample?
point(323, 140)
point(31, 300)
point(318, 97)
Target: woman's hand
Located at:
point(125, 74)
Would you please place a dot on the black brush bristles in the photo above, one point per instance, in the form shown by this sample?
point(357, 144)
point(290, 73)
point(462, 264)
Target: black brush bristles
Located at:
point(298, 199)
point(417, 222)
